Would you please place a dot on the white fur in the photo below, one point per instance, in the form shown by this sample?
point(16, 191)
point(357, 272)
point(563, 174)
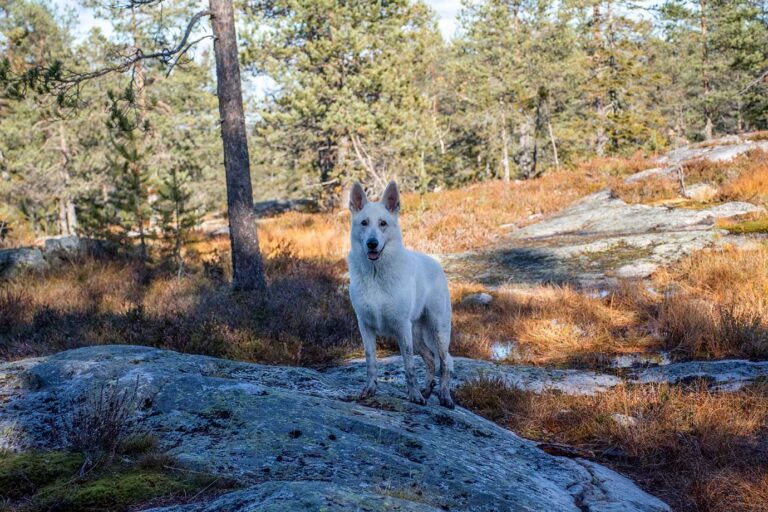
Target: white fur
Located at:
point(402, 294)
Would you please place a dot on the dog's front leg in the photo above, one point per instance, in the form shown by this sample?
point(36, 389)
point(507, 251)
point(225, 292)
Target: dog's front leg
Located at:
point(369, 342)
point(405, 340)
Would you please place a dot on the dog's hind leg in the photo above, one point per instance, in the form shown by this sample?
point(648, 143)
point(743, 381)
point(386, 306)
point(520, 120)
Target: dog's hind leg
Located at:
point(443, 340)
point(421, 347)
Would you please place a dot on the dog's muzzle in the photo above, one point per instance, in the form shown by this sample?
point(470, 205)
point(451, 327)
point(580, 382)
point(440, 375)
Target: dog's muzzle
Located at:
point(373, 251)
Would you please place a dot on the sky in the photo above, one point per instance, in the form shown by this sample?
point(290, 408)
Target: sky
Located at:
point(446, 11)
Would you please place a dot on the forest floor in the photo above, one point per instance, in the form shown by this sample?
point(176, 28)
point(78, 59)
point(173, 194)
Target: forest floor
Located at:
point(603, 266)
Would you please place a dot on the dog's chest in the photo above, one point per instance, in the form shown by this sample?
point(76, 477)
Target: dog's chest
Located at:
point(380, 309)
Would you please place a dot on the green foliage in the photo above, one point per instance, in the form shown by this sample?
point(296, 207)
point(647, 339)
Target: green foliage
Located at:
point(348, 102)
point(177, 215)
point(356, 90)
point(725, 43)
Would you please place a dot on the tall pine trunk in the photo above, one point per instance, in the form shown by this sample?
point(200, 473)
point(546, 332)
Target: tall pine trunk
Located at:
point(527, 148)
point(247, 266)
point(67, 215)
point(705, 70)
point(601, 139)
point(504, 146)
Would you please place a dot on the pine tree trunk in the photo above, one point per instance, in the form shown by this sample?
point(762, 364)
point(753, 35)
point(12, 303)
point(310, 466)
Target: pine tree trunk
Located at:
point(63, 227)
point(504, 147)
point(526, 158)
point(705, 71)
point(247, 266)
point(552, 136)
point(68, 218)
point(599, 103)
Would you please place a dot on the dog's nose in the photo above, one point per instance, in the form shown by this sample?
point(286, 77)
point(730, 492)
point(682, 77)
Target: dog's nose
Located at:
point(372, 243)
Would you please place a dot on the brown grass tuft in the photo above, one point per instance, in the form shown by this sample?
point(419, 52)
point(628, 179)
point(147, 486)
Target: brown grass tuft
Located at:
point(618, 166)
point(745, 178)
point(680, 443)
point(647, 190)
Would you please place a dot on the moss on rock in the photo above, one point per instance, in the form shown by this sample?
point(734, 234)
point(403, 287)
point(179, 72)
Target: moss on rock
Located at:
point(114, 492)
point(749, 227)
point(23, 474)
point(50, 481)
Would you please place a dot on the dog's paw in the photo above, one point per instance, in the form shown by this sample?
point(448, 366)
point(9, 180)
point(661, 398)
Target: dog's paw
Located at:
point(416, 397)
point(368, 391)
point(446, 400)
point(427, 391)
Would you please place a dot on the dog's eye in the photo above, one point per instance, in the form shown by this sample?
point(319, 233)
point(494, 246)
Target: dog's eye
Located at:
point(383, 223)
point(365, 222)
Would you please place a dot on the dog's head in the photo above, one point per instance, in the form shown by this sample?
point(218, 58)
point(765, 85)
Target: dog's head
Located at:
point(375, 224)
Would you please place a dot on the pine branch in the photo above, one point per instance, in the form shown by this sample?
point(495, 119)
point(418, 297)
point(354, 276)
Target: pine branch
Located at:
point(755, 82)
point(53, 79)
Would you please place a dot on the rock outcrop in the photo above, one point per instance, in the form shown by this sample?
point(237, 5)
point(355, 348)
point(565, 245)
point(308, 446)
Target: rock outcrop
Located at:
point(297, 439)
point(55, 250)
point(601, 238)
point(15, 261)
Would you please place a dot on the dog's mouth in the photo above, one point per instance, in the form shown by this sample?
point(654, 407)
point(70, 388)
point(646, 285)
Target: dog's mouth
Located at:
point(373, 255)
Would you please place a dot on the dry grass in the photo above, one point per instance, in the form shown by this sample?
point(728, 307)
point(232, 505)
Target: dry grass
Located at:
point(713, 304)
point(696, 449)
point(551, 325)
point(761, 135)
point(647, 190)
point(618, 166)
point(719, 304)
point(745, 178)
point(306, 320)
point(469, 218)
point(90, 302)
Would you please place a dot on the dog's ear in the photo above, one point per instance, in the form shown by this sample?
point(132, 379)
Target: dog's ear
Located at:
point(391, 198)
point(357, 198)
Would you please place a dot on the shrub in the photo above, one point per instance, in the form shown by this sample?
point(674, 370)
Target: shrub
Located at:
point(98, 424)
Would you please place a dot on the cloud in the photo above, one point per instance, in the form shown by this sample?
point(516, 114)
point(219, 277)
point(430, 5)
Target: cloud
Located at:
point(446, 10)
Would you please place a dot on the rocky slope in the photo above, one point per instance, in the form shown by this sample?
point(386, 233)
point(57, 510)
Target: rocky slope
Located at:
point(601, 238)
point(296, 439)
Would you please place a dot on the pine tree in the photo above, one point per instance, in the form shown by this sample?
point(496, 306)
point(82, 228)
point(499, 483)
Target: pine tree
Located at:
point(347, 104)
point(129, 197)
point(178, 216)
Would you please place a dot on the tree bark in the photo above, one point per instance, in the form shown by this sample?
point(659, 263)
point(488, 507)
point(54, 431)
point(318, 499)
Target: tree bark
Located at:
point(527, 152)
point(504, 146)
point(247, 266)
point(68, 206)
point(704, 70)
point(552, 137)
point(599, 103)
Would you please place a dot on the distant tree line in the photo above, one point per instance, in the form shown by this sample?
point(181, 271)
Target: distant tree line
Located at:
point(357, 89)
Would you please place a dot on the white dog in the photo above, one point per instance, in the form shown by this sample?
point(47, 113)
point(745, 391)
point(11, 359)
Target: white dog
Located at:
point(398, 293)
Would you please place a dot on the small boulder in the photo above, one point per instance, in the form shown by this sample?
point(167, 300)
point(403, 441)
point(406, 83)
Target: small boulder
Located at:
point(624, 420)
point(65, 247)
point(701, 192)
point(477, 299)
point(15, 261)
